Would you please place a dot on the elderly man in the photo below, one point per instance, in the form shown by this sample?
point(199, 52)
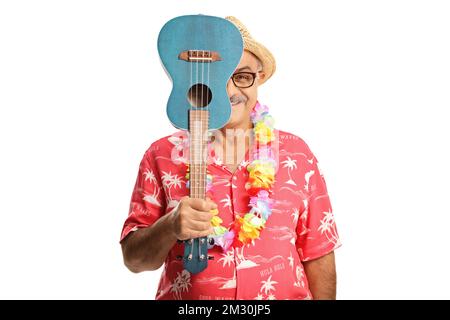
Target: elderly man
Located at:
point(271, 217)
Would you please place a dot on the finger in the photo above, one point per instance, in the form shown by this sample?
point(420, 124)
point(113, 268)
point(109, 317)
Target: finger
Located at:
point(198, 226)
point(197, 234)
point(202, 205)
point(202, 216)
point(185, 199)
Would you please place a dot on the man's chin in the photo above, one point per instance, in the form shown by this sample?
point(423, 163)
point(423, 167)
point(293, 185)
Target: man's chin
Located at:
point(231, 124)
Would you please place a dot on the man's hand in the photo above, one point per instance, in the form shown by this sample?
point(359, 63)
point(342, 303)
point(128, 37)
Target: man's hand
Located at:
point(147, 248)
point(192, 219)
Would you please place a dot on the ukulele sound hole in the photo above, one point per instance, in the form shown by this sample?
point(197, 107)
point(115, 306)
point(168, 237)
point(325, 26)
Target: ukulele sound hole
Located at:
point(199, 95)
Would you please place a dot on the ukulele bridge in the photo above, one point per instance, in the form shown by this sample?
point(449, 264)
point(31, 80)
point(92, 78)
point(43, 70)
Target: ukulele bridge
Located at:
point(199, 56)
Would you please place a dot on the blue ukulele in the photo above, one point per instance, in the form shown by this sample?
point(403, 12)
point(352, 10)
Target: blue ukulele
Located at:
point(199, 53)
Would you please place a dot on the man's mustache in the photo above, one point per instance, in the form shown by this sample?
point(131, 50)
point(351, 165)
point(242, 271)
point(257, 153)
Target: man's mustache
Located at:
point(235, 99)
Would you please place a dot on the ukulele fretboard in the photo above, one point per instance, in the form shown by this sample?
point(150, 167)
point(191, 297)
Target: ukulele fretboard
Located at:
point(198, 134)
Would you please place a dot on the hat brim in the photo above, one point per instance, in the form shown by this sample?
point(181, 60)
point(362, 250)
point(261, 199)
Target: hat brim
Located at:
point(264, 55)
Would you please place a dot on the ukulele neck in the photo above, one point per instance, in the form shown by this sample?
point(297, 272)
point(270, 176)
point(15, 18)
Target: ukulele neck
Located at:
point(198, 143)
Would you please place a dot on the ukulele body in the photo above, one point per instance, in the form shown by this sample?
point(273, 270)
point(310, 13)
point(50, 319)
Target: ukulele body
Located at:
point(207, 34)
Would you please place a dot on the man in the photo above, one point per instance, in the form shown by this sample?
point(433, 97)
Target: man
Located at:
point(288, 256)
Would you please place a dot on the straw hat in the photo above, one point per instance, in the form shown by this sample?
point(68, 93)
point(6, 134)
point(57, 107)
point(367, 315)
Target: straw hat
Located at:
point(250, 44)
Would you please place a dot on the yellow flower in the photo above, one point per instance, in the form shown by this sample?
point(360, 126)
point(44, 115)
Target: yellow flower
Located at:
point(216, 221)
point(248, 232)
point(263, 134)
point(220, 230)
point(262, 175)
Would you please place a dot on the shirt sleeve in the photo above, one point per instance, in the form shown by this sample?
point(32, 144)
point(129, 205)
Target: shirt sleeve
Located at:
point(147, 200)
point(316, 228)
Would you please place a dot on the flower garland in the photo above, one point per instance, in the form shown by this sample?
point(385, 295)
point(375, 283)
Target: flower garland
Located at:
point(259, 187)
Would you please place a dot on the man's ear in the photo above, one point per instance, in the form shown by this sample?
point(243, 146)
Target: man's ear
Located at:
point(261, 75)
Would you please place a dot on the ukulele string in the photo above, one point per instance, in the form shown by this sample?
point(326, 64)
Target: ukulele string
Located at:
point(203, 133)
point(207, 115)
point(200, 149)
point(189, 241)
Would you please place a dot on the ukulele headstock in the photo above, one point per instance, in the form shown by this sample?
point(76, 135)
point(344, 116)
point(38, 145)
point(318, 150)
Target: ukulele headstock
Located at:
point(195, 258)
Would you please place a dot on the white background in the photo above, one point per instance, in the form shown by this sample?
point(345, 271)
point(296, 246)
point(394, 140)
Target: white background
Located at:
point(83, 94)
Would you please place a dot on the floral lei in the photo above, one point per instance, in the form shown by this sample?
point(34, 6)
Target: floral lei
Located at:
point(259, 187)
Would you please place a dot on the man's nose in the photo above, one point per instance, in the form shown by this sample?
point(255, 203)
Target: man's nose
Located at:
point(231, 88)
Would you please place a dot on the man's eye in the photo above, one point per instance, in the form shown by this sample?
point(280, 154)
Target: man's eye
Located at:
point(242, 77)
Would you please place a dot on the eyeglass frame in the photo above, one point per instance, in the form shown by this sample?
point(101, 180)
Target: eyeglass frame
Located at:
point(246, 72)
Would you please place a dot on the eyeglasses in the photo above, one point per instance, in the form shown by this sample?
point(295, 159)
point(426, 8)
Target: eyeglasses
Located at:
point(244, 79)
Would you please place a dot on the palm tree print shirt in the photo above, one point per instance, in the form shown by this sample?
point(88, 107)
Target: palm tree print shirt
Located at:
point(300, 228)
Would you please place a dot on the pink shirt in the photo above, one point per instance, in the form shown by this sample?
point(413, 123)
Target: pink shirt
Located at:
point(301, 226)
